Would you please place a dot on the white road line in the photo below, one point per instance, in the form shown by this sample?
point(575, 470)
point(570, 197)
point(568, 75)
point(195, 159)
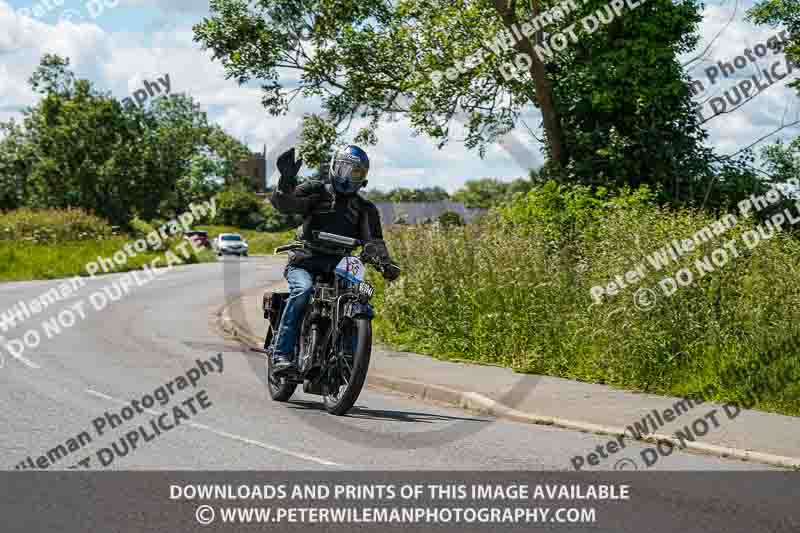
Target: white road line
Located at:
point(233, 436)
point(104, 396)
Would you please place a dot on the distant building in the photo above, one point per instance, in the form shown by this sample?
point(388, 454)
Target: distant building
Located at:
point(254, 168)
point(419, 212)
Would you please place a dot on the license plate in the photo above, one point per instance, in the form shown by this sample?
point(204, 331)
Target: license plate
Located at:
point(365, 289)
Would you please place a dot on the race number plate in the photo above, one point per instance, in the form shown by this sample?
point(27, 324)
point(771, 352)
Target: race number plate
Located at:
point(366, 289)
point(351, 269)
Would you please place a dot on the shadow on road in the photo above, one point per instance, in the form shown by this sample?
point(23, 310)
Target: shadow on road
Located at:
point(379, 414)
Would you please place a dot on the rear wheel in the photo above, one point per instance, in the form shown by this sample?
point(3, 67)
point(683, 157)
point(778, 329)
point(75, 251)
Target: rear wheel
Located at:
point(280, 389)
point(346, 376)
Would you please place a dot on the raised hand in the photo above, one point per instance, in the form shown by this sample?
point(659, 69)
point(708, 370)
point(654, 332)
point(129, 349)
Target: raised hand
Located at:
point(287, 165)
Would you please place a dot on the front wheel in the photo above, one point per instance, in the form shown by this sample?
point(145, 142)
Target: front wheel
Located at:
point(347, 375)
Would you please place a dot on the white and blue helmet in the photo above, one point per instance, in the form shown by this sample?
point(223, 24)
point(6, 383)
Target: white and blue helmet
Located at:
point(349, 169)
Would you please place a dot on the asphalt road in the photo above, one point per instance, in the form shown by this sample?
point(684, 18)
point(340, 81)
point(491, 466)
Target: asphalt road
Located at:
point(157, 332)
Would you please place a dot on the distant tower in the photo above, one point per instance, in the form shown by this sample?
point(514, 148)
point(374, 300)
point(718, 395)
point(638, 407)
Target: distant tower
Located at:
point(254, 168)
point(265, 168)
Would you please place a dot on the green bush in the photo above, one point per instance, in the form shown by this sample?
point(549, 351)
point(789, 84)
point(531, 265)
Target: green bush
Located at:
point(142, 229)
point(238, 207)
point(515, 290)
point(274, 220)
point(449, 219)
point(52, 226)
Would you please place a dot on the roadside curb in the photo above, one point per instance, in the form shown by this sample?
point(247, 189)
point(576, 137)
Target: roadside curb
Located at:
point(473, 401)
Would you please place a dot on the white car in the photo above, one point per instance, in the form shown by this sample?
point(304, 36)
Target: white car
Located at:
point(230, 244)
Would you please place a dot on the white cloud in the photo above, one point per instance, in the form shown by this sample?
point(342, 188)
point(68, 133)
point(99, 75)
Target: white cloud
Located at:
point(121, 59)
point(763, 114)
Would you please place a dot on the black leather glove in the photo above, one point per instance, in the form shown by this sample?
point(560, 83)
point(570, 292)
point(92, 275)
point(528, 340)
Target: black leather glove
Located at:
point(376, 251)
point(288, 167)
point(391, 272)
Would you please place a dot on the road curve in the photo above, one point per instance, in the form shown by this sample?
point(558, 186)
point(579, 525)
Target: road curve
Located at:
point(159, 330)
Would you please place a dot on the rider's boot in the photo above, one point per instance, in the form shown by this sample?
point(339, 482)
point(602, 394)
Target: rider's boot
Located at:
point(281, 364)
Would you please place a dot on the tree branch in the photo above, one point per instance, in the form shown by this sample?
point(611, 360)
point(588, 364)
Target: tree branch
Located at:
point(711, 43)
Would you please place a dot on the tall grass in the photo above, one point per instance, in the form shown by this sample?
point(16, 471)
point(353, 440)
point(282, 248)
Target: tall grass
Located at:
point(515, 291)
point(52, 226)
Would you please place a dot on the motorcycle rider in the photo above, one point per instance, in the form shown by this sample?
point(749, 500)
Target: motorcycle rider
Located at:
point(335, 208)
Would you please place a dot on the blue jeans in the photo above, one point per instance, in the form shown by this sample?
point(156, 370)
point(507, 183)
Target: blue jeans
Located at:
point(301, 286)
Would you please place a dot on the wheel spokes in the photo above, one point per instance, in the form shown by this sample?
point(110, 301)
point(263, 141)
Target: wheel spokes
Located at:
point(340, 370)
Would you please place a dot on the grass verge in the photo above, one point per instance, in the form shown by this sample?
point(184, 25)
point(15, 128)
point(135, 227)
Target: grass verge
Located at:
point(29, 261)
point(515, 291)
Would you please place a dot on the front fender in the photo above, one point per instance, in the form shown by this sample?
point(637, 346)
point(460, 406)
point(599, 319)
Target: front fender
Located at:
point(359, 310)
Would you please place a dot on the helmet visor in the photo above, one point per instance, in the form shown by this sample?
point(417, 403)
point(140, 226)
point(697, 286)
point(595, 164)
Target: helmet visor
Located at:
point(345, 170)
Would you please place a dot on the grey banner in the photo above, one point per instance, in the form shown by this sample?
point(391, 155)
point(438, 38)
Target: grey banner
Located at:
point(652, 502)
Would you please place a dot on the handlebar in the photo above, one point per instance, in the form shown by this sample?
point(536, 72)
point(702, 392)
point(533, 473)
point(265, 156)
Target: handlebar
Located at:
point(339, 240)
point(378, 260)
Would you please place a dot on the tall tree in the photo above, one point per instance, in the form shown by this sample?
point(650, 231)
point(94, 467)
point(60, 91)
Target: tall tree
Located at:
point(79, 147)
point(614, 93)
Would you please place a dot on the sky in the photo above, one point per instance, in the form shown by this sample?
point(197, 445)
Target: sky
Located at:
point(121, 44)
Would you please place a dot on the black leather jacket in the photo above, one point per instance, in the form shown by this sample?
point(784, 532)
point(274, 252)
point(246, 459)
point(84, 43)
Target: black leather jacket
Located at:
point(324, 210)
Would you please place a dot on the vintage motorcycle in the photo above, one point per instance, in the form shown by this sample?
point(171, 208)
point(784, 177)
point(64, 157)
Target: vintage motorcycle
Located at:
point(335, 340)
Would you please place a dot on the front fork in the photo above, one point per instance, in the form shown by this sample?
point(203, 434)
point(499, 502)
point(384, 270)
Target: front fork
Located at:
point(309, 356)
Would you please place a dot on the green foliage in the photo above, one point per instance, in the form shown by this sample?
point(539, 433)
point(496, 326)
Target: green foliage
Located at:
point(316, 141)
point(488, 192)
point(620, 92)
point(239, 207)
point(52, 226)
point(450, 219)
point(626, 109)
point(783, 160)
point(141, 228)
point(403, 194)
point(568, 213)
point(275, 221)
point(31, 261)
point(52, 244)
point(505, 292)
point(78, 147)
